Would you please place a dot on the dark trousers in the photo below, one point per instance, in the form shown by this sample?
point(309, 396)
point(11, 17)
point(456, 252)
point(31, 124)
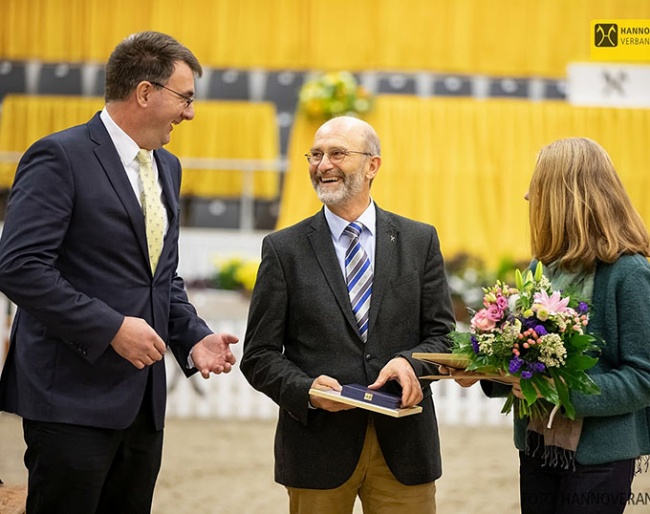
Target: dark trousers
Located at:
point(85, 470)
point(589, 489)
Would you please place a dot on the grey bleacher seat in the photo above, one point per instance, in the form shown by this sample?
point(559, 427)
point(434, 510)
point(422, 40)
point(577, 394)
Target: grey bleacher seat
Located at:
point(282, 88)
point(509, 87)
point(213, 212)
point(266, 214)
point(554, 90)
point(12, 78)
point(99, 82)
point(397, 83)
point(285, 122)
point(60, 79)
point(228, 84)
point(452, 85)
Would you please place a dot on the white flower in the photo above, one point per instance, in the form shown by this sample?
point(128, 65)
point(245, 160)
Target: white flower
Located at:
point(485, 344)
point(512, 302)
point(511, 331)
point(552, 352)
point(545, 284)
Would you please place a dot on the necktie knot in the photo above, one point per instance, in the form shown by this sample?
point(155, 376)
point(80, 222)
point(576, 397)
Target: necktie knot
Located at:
point(144, 157)
point(354, 229)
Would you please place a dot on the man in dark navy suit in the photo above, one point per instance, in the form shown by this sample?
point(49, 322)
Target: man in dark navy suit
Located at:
point(98, 299)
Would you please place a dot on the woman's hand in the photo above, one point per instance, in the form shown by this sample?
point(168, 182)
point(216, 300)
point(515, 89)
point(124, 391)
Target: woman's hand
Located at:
point(462, 377)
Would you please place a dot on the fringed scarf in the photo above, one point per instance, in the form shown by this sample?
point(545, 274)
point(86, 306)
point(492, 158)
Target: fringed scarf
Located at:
point(642, 464)
point(558, 439)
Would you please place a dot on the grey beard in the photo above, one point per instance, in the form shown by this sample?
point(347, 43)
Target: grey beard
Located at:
point(350, 188)
point(331, 197)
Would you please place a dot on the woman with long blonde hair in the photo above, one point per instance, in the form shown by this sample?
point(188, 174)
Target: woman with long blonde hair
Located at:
point(592, 242)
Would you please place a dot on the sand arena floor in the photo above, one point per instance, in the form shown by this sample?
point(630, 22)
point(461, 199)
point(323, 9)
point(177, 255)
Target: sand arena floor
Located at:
point(226, 467)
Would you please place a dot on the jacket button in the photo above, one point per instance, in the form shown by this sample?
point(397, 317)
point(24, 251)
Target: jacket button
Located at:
point(368, 357)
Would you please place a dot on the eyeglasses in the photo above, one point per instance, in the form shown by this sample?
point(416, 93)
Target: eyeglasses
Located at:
point(188, 99)
point(335, 156)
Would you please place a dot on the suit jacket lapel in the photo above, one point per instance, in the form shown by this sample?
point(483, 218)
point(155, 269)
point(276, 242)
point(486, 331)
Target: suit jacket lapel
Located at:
point(386, 240)
point(321, 241)
point(164, 172)
point(110, 161)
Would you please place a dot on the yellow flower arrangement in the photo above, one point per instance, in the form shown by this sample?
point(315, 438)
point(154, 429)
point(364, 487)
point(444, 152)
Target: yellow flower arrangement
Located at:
point(233, 273)
point(246, 274)
point(333, 94)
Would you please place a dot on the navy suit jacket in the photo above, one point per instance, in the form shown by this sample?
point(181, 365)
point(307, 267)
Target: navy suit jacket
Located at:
point(74, 259)
point(301, 325)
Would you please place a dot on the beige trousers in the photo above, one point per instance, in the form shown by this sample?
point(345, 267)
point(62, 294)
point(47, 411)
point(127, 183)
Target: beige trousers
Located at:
point(372, 480)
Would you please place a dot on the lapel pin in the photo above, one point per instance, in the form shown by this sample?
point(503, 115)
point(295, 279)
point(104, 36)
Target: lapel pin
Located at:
point(392, 238)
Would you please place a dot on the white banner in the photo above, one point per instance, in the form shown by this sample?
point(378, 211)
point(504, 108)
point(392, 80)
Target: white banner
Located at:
point(608, 85)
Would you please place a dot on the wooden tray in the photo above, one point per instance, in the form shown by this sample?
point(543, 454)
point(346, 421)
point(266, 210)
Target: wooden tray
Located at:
point(395, 413)
point(460, 362)
point(449, 360)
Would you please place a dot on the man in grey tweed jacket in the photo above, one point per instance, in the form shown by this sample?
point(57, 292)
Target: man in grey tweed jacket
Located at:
point(302, 334)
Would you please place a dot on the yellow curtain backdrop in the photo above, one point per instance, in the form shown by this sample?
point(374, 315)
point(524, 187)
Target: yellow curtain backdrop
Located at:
point(464, 165)
point(224, 130)
point(26, 119)
point(228, 130)
point(499, 37)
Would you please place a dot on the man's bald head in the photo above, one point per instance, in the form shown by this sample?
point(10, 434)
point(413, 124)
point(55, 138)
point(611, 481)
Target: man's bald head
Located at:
point(354, 129)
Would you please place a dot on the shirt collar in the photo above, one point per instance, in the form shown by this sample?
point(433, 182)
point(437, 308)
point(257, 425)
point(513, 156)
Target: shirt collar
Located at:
point(337, 224)
point(126, 147)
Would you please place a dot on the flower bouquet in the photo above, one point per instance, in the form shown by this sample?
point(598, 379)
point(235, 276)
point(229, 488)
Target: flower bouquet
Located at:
point(537, 335)
point(333, 94)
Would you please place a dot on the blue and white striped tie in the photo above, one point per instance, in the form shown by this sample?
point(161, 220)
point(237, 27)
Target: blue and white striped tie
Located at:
point(358, 272)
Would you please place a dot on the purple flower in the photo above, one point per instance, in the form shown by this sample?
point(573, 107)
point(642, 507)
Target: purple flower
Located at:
point(475, 346)
point(582, 308)
point(541, 330)
point(538, 367)
point(526, 374)
point(515, 364)
point(528, 322)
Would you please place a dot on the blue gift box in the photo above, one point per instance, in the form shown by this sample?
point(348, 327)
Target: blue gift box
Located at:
point(360, 392)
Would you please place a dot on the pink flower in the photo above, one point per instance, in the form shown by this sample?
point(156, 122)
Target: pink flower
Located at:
point(554, 304)
point(502, 302)
point(494, 312)
point(482, 322)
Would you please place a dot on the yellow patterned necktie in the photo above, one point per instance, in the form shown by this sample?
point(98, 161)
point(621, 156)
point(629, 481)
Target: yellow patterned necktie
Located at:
point(152, 207)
